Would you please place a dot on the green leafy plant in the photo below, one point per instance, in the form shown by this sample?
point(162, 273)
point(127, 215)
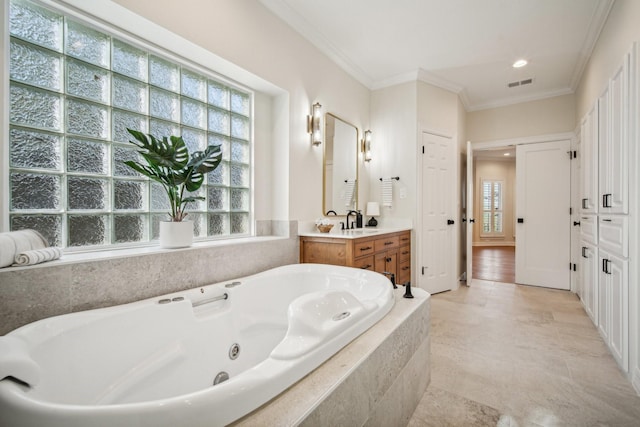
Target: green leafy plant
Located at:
point(169, 163)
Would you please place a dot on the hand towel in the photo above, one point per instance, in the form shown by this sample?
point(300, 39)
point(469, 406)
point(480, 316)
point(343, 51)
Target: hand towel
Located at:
point(37, 256)
point(15, 242)
point(387, 192)
point(350, 186)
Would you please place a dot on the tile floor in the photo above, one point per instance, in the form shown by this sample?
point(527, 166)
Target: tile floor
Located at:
point(510, 355)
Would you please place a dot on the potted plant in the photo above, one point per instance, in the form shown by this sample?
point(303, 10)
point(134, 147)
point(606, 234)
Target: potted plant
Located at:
point(169, 163)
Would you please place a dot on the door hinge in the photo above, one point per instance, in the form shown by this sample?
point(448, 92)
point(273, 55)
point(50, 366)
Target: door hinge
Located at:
point(423, 271)
point(423, 149)
point(570, 211)
point(575, 267)
point(572, 154)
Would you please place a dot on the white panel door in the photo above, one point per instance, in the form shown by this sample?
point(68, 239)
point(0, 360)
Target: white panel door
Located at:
point(438, 190)
point(542, 211)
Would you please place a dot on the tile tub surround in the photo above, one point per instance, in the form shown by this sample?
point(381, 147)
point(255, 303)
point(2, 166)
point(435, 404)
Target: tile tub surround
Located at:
point(511, 355)
point(32, 293)
point(376, 380)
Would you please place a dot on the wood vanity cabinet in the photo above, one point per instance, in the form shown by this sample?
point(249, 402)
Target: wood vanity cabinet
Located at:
point(390, 252)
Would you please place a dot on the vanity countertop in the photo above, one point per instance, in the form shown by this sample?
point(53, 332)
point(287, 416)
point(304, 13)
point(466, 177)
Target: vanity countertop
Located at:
point(355, 233)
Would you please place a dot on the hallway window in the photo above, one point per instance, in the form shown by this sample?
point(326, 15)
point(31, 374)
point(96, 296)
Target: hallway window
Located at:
point(74, 90)
point(492, 207)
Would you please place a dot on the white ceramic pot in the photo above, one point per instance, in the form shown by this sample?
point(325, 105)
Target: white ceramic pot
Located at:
point(176, 234)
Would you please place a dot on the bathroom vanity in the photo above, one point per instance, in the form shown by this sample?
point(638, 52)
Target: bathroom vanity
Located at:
point(377, 250)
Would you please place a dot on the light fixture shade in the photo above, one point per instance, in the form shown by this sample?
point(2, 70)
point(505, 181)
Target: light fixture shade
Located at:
point(373, 208)
point(314, 124)
point(366, 146)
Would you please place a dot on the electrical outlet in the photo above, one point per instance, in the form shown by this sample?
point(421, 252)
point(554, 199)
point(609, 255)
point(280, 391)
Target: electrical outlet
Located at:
point(403, 193)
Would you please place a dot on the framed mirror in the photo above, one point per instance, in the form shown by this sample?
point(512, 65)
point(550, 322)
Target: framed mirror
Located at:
point(340, 174)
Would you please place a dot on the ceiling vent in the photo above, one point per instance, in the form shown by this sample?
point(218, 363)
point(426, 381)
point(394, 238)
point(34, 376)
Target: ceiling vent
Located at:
point(520, 83)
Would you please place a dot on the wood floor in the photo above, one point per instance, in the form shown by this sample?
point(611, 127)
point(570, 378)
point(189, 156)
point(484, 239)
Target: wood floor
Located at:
point(494, 263)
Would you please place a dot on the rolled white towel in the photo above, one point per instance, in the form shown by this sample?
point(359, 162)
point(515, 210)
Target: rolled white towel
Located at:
point(15, 242)
point(37, 256)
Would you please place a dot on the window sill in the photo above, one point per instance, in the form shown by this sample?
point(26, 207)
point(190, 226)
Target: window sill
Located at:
point(100, 255)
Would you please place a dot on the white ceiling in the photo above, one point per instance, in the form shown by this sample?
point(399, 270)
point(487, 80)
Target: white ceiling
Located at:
point(467, 46)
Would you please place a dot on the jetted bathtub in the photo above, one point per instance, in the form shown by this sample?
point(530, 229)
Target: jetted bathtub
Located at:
point(201, 357)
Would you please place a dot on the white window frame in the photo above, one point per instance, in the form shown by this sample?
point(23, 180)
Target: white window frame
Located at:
point(113, 19)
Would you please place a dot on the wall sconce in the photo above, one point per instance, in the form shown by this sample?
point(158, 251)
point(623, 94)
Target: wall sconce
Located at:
point(314, 124)
point(366, 145)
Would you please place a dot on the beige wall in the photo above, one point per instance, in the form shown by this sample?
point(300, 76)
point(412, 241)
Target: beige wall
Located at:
point(251, 37)
point(393, 151)
point(542, 117)
point(499, 170)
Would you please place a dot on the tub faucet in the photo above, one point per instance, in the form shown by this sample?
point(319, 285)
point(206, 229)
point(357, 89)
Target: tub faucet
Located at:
point(407, 290)
point(392, 277)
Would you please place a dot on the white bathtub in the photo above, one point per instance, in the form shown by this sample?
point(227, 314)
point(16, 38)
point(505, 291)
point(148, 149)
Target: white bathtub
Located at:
point(154, 362)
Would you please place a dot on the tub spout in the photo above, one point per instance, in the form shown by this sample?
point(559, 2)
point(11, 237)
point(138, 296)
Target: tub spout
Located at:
point(392, 277)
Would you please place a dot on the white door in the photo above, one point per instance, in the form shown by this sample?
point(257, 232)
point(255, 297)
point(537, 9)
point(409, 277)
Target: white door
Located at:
point(438, 233)
point(470, 213)
point(542, 212)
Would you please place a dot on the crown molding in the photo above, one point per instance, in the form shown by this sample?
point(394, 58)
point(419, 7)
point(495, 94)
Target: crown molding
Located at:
point(598, 20)
point(517, 100)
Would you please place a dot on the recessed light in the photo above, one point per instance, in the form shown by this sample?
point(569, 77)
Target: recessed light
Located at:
point(520, 63)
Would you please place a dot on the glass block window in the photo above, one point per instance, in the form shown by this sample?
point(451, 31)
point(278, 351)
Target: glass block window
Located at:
point(492, 209)
point(74, 91)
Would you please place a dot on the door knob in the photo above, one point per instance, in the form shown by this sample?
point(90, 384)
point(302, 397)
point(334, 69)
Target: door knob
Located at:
point(450, 222)
point(520, 220)
point(473, 221)
point(576, 223)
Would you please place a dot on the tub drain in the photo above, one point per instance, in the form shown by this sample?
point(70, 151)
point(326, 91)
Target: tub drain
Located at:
point(341, 316)
point(220, 378)
point(234, 351)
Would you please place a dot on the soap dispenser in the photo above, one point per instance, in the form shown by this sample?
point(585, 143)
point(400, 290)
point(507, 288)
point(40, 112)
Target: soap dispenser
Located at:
point(359, 219)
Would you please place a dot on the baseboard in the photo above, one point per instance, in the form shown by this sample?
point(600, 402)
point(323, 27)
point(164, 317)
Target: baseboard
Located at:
point(635, 380)
point(480, 244)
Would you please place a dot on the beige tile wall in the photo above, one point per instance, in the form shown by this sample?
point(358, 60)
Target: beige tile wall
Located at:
point(30, 294)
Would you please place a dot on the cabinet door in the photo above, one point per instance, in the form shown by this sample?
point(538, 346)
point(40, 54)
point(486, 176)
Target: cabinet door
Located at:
point(589, 162)
point(613, 110)
point(604, 295)
point(616, 195)
point(619, 317)
point(589, 272)
point(603, 148)
point(387, 262)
